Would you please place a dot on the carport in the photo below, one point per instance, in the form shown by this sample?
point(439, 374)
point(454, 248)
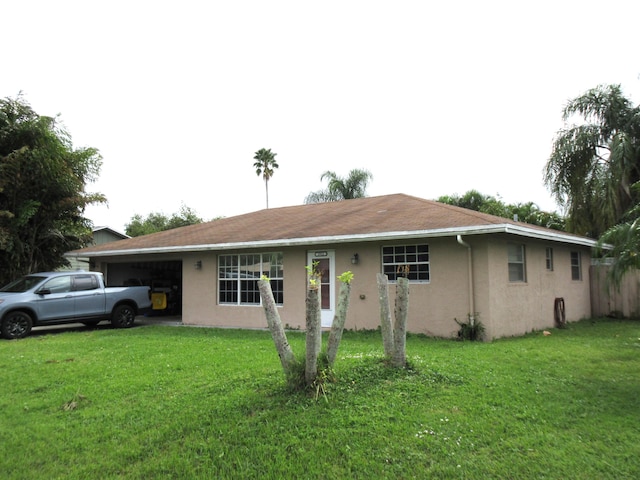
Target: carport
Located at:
point(162, 276)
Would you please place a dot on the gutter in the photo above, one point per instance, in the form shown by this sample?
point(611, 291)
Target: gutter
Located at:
point(472, 308)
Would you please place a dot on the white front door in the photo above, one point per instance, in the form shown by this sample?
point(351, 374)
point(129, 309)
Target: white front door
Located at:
point(325, 266)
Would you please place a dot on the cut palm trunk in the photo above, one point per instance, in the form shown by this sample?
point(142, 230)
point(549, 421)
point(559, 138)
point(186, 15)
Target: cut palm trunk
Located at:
point(337, 327)
point(313, 335)
point(285, 353)
point(399, 357)
point(386, 324)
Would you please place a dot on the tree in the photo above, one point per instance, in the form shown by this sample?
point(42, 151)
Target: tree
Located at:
point(265, 163)
point(313, 334)
point(316, 368)
point(287, 357)
point(621, 243)
point(527, 212)
point(394, 332)
point(158, 222)
point(474, 200)
point(386, 322)
point(42, 191)
point(594, 163)
point(340, 317)
point(353, 186)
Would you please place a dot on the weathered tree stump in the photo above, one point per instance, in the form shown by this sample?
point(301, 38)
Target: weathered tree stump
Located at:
point(386, 324)
point(399, 357)
point(313, 335)
point(337, 327)
point(287, 358)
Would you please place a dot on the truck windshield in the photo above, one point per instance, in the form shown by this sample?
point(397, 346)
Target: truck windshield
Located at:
point(23, 284)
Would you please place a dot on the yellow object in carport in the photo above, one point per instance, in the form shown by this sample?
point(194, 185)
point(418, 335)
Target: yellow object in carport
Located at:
point(159, 301)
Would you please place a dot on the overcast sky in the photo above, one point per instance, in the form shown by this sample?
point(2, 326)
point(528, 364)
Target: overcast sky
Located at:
point(434, 98)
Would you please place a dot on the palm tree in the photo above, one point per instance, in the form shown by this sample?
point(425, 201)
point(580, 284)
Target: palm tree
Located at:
point(265, 163)
point(593, 164)
point(621, 243)
point(353, 186)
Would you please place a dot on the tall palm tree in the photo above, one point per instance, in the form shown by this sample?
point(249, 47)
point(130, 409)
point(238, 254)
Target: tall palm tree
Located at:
point(593, 164)
point(353, 186)
point(265, 163)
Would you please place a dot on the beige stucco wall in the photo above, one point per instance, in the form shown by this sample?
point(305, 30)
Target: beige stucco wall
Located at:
point(433, 306)
point(515, 308)
point(200, 303)
point(505, 308)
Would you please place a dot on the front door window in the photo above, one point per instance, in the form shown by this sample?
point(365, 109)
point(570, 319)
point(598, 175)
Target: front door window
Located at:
point(325, 284)
point(325, 265)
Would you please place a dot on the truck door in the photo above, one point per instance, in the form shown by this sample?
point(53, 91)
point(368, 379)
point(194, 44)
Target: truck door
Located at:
point(57, 303)
point(89, 297)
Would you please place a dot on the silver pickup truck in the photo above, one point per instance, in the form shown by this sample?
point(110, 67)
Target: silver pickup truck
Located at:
point(67, 297)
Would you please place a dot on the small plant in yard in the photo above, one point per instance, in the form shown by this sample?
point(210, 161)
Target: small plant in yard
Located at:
point(472, 329)
point(314, 275)
point(73, 403)
point(325, 375)
point(295, 377)
point(296, 381)
point(346, 277)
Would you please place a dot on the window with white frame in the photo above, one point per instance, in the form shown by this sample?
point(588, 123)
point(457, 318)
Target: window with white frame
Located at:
point(411, 261)
point(238, 277)
point(517, 265)
point(576, 266)
point(549, 261)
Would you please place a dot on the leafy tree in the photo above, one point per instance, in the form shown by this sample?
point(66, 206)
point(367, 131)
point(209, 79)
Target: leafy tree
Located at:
point(621, 243)
point(525, 212)
point(265, 163)
point(42, 191)
point(158, 222)
point(474, 200)
point(594, 163)
point(530, 213)
point(353, 186)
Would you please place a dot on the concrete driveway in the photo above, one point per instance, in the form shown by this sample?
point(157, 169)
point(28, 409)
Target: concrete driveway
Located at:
point(141, 321)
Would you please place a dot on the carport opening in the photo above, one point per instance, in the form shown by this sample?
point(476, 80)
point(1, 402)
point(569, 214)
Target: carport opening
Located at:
point(163, 277)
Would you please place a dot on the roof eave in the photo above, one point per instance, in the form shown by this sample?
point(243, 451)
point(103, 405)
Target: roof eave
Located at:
point(521, 230)
point(552, 235)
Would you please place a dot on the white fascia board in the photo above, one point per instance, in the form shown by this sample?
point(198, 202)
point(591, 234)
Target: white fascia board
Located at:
point(385, 236)
point(552, 235)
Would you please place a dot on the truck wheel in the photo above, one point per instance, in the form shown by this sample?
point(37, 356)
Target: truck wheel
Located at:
point(123, 316)
point(16, 325)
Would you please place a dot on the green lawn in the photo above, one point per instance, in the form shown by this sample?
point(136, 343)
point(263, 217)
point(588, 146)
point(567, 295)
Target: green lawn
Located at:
point(178, 402)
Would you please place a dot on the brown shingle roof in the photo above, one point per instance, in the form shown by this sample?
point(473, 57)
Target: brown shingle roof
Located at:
point(355, 219)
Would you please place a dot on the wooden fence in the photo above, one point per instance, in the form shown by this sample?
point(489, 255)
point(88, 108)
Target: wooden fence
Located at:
point(607, 300)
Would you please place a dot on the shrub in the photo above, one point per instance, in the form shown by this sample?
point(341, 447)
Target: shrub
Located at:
point(472, 329)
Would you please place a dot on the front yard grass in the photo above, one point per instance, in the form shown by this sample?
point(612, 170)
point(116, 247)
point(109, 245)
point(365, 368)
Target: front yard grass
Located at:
point(178, 402)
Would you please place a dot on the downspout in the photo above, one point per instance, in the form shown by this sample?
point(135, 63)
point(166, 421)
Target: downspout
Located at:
point(472, 308)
